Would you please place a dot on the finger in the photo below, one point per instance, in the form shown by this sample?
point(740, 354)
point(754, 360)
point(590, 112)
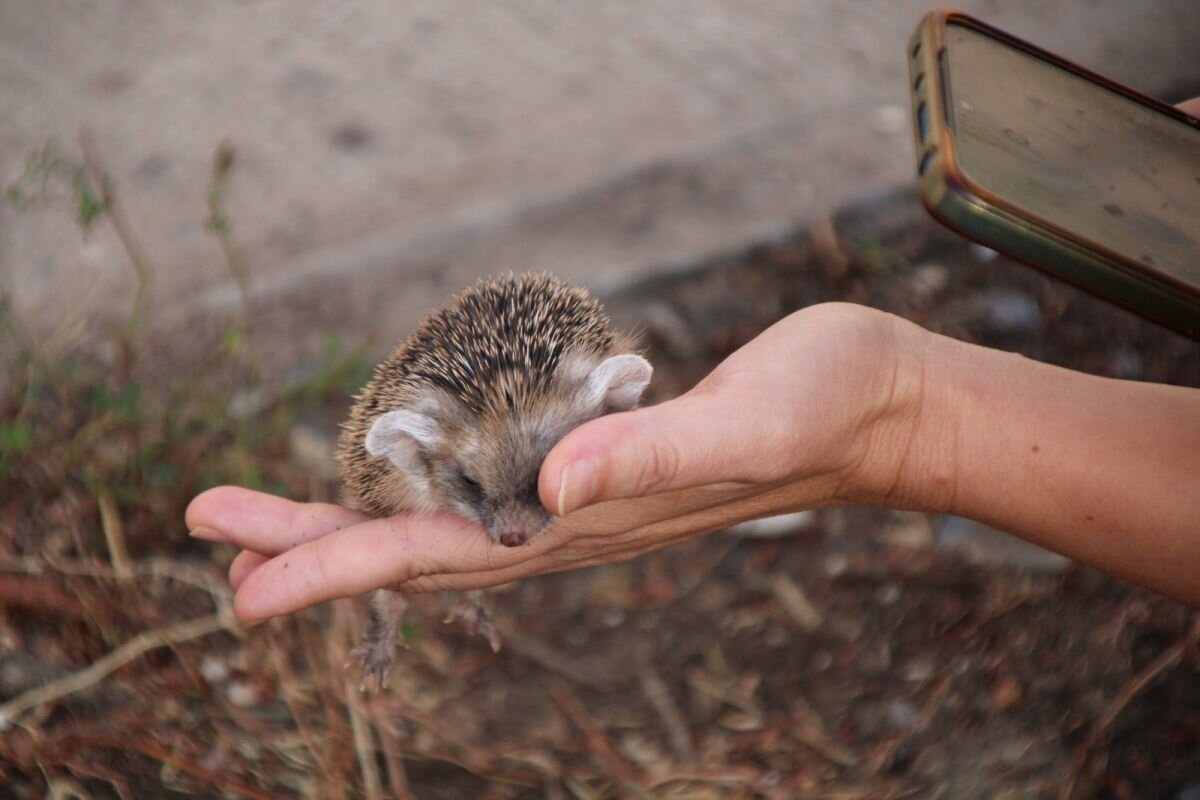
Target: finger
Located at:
point(679, 444)
point(363, 557)
point(262, 522)
point(243, 564)
point(1191, 107)
point(483, 579)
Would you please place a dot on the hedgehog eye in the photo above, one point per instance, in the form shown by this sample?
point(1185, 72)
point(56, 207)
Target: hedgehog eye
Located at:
point(471, 484)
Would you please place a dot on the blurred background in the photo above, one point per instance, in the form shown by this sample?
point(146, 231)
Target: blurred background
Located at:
point(217, 216)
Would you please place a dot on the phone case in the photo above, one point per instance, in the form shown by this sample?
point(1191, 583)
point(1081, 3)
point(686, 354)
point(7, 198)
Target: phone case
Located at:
point(959, 203)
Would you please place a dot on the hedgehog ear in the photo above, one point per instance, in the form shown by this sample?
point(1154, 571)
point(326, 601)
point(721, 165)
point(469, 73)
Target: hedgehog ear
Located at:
point(617, 383)
point(399, 435)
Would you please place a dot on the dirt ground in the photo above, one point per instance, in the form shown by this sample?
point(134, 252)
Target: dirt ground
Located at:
point(865, 654)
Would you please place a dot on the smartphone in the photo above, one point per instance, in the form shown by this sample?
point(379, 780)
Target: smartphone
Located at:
point(1058, 167)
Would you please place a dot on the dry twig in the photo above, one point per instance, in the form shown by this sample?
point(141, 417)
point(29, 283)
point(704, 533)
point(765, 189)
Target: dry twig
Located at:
point(364, 746)
point(480, 761)
point(392, 758)
point(116, 216)
point(41, 596)
point(360, 725)
point(544, 655)
point(291, 697)
point(1135, 686)
point(885, 755)
point(165, 568)
point(828, 248)
point(796, 603)
point(810, 730)
point(739, 776)
point(597, 739)
point(114, 534)
point(77, 681)
point(105, 774)
point(159, 753)
point(660, 699)
point(218, 222)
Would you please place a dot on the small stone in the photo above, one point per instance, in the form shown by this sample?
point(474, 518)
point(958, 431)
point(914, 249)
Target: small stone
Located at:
point(927, 280)
point(612, 617)
point(836, 564)
point(918, 671)
point(774, 527)
point(901, 714)
point(241, 694)
point(214, 670)
point(888, 594)
point(21, 671)
point(1127, 364)
point(988, 546)
point(1012, 312)
point(741, 721)
point(981, 253)
point(910, 529)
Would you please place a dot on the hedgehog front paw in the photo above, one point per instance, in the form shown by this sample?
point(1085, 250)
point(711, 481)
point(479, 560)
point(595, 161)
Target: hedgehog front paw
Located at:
point(470, 611)
point(376, 657)
point(377, 651)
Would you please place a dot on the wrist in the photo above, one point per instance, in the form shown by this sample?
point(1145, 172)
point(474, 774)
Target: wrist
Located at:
point(1093, 468)
point(910, 443)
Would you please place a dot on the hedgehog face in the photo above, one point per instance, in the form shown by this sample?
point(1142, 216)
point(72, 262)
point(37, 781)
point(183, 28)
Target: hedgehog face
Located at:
point(491, 470)
point(485, 466)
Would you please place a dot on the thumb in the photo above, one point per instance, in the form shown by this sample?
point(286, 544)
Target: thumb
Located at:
point(675, 445)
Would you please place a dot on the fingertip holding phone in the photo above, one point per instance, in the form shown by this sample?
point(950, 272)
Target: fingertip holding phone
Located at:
point(1058, 167)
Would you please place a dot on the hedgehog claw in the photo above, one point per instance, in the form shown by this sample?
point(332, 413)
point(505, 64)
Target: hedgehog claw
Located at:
point(377, 650)
point(377, 658)
point(470, 611)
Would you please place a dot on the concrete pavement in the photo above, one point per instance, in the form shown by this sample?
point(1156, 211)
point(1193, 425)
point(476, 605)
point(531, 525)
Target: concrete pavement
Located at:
point(387, 153)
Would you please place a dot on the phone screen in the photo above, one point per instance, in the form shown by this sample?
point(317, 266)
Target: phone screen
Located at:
point(1076, 154)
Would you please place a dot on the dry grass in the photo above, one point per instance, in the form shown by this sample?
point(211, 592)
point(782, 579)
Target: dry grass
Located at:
point(723, 668)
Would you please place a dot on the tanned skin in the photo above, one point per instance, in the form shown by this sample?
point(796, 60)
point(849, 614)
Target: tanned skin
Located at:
point(835, 404)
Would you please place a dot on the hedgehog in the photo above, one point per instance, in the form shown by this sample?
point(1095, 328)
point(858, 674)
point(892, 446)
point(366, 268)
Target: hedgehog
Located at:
point(460, 415)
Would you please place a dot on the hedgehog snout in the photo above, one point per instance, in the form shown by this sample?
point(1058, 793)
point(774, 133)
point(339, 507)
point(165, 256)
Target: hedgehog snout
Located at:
point(517, 522)
point(513, 538)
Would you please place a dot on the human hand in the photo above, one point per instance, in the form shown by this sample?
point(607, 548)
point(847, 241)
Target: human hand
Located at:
point(812, 412)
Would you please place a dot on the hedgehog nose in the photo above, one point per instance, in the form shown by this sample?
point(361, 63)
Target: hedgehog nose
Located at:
point(513, 538)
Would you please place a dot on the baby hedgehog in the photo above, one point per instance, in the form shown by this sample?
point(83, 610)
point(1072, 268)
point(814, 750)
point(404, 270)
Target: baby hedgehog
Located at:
point(461, 414)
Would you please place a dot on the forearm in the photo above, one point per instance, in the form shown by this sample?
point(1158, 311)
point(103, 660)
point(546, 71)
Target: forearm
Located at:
point(1106, 472)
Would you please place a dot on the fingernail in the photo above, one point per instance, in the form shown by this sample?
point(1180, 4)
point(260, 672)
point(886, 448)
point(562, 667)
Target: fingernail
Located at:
point(576, 487)
point(251, 621)
point(208, 534)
